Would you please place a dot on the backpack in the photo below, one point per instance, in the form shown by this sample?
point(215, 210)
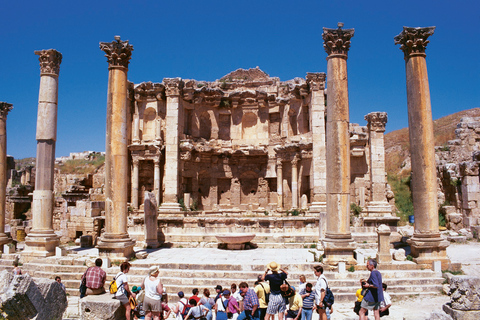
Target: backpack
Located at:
point(186, 308)
point(329, 299)
point(113, 285)
point(267, 295)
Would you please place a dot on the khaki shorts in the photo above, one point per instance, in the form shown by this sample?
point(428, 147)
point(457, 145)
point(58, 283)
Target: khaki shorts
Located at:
point(152, 305)
point(370, 305)
point(123, 299)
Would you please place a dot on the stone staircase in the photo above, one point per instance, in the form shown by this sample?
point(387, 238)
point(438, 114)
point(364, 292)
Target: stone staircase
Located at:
point(404, 280)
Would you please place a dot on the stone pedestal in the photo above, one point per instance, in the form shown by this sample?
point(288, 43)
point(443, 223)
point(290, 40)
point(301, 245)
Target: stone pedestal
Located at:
point(151, 223)
point(383, 254)
point(115, 242)
point(426, 243)
point(173, 89)
point(42, 240)
point(4, 109)
point(338, 243)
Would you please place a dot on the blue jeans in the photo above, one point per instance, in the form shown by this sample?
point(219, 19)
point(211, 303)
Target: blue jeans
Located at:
point(247, 314)
point(307, 314)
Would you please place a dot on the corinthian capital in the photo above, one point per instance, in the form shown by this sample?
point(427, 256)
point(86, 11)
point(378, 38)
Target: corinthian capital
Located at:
point(316, 80)
point(118, 52)
point(173, 86)
point(376, 121)
point(413, 41)
point(49, 61)
point(4, 109)
point(337, 41)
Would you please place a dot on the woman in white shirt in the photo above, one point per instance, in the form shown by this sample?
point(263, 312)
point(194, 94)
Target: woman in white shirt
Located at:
point(152, 303)
point(123, 291)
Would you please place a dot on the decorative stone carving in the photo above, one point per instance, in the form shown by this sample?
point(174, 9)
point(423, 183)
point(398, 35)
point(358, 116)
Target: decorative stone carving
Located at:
point(118, 52)
point(5, 109)
point(49, 61)
point(173, 86)
point(413, 41)
point(377, 121)
point(149, 90)
point(316, 80)
point(337, 41)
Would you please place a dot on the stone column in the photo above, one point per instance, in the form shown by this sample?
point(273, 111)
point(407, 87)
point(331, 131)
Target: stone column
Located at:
point(42, 240)
point(383, 254)
point(115, 242)
point(378, 205)
point(295, 182)
point(156, 179)
point(173, 88)
point(316, 82)
point(4, 109)
point(135, 163)
point(426, 243)
point(338, 243)
point(136, 125)
point(151, 222)
point(279, 184)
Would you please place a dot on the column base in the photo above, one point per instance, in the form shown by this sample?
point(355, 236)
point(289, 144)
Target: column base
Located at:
point(426, 249)
point(170, 206)
point(378, 209)
point(339, 250)
point(4, 239)
point(153, 244)
point(116, 248)
point(41, 244)
point(318, 207)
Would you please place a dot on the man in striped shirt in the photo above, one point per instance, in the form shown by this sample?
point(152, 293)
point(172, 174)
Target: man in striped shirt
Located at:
point(250, 304)
point(308, 296)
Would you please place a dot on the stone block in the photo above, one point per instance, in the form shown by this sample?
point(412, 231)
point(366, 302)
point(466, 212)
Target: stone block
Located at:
point(101, 307)
point(341, 267)
point(438, 315)
point(399, 255)
point(475, 231)
point(86, 241)
point(461, 314)
point(22, 298)
point(437, 266)
point(60, 251)
point(7, 249)
point(465, 293)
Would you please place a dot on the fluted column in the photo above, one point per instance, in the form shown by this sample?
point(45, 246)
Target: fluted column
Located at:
point(157, 179)
point(115, 242)
point(338, 242)
point(295, 182)
point(378, 205)
point(173, 88)
point(136, 126)
point(279, 184)
point(4, 109)
point(426, 243)
point(316, 82)
point(135, 163)
point(42, 240)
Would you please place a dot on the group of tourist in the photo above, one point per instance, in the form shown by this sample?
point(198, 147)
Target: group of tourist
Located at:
point(271, 295)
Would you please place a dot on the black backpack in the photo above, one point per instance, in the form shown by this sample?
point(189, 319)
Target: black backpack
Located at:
point(267, 295)
point(329, 299)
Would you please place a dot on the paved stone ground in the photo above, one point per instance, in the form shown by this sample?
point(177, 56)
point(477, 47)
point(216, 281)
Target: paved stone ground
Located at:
point(412, 308)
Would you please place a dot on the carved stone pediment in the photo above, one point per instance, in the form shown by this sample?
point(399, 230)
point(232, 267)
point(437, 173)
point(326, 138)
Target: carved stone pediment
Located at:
point(149, 91)
point(173, 86)
point(316, 80)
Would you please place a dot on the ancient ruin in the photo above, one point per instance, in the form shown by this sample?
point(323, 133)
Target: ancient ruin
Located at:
point(4, 109)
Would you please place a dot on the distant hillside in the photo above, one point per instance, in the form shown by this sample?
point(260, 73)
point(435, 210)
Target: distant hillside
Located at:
point(397, 143)
point(25, 162)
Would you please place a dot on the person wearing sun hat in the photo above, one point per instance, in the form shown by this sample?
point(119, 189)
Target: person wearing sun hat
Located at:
point(276, 305)
point(152, 303)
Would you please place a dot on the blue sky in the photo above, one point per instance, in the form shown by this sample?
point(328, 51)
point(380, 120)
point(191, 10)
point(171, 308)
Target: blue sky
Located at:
point(205, 40)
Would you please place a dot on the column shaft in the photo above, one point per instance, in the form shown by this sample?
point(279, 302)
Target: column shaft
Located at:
point(157, 179)
point(135, 184)
point(4, 109)
point(279, 184)
point(295, 184)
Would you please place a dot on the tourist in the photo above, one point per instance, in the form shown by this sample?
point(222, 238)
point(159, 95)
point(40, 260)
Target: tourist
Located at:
point(195, 295)
point(303, 282)
point(320, 290)
point(138, 312)
point(59, 280)
point(359, 294)
point(262, 289)
point(180, 306)
point(221, 307)
point(208, 302)
point(123, 291)
point(276, 305)
point(166, 311)
point(196, 312)
point(237, 295)
point(386, 303)
point(95, 279)
point(16, 269)
point(232, 307)
point(308, 296)
point(374, 295)
point(152, 304)
point(295, 304)
point(219, 291)
point(250, 303)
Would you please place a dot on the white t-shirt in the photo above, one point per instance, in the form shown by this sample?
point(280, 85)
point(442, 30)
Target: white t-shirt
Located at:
point(386, 300)
point(221, 305)
point(181, 304)
point(120, 279)
point(237, 296)
point(197, 312)
point(151, 288)
point(321, 284)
